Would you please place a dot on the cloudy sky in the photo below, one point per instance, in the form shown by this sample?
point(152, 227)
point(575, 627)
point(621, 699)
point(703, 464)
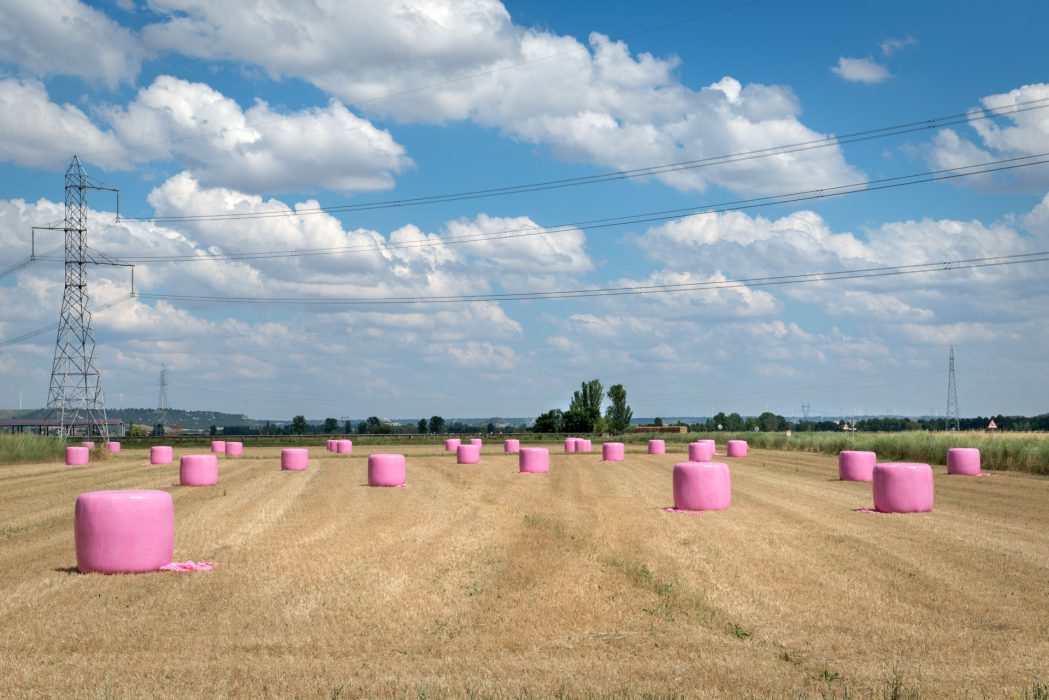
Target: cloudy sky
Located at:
point(339, 158)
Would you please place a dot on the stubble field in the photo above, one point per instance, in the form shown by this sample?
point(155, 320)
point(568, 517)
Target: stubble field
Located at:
point(477, 580)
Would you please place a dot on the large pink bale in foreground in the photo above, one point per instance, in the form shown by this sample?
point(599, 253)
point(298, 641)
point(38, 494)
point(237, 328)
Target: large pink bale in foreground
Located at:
point(344, 447)
point(902, 487)
point(218, 446)
point(570, 444)
point(123, 532)
point(113, 446)
point(613, 452)
point(534, 460)
point(657, 447)
point(477, 442)
point(386, 470)
point(198, 470)
point(511, 446)
point(294, 459)
point(856, 465)
point(700, 451)
point(161, 454)
point(234, 449)
point(451, 444)
point(737, 448)
point(964, 461)
point(77, 456)
point(468, 454)
point(702, 486)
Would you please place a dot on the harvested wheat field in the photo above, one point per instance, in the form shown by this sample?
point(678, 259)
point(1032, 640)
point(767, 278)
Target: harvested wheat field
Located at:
point(477, 580)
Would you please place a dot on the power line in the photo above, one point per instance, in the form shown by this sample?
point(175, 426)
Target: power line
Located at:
point(805, 278)
point(648, 171)
point(642, 218)
point(54, 326)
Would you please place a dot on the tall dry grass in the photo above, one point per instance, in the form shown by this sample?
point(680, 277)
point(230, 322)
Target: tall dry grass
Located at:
point(1026, 452)
point(25, 448)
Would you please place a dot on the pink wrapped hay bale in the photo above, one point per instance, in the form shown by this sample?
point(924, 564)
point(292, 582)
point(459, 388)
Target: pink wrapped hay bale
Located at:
point(330, 446)
point(451, 444)
point(657, 447)
point(700, 451)
point(964, 461)
point(161, 454)
point(511, 446)
point(477, 442)
point(534, 460)
point(713, 445)
point(902, 487)
point(218, 446)
point(77, 456)
point(583, 445)
point(613, 452)
point(234, 449)
point(386, 470)
point(294, 459)
point(468, 454)
point(702, 486)
point(737, 448)
point(570, 445)
point(344, 447)
point(113, 446)
point(123, 532)
point(856, 465)
point(198, 470)
point(88, 444)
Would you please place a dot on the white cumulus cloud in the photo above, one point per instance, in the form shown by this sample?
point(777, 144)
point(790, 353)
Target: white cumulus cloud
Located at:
point(861, 70)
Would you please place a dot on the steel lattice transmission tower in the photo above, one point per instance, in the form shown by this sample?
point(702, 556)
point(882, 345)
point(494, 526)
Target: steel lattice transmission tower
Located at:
point(162, 400)
point(75, 396)
point(952, 415)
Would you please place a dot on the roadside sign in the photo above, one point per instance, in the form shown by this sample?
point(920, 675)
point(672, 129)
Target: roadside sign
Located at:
point(992, 425)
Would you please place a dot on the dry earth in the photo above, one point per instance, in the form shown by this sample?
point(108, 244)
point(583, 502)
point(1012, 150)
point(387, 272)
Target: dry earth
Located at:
point(477, 580)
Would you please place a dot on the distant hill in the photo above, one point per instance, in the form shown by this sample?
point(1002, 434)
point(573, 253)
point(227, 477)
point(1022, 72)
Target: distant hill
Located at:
point(188, 420)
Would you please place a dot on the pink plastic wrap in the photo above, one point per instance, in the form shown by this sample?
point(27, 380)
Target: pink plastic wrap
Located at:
point(161, 454)
point(856, 465)
point(451, 444)
point(294, 459)
point(582, 445)
point(511, 446)
point(198, 470)
point(468, 454)
point(234, 449)
point(88, 444)
point(477, 442)
point(902, 487)
point(386, 470)
point(570, 445)
point(702, 486)
point(657, 447)
point(737, 448)
point(77, 456)
point(331, 445)
point(118, 532)
point(113, 446)
point(218, 446)
point(613, 452)
point(534, 460)
point(700, 451)
point(344, 447)
point(964, 461)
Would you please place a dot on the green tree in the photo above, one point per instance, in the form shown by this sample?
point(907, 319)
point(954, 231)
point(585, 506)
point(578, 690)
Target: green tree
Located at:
point(423, 426)
point(734, 422)
point(769, 422)
point(574, 421)
point(490, 428)
point(587, 400)
point(658, 421)
point(436, 424)
point(330, 426)
point(549, 422)
point(619, 413)
point(299, 425)
point(347, 427)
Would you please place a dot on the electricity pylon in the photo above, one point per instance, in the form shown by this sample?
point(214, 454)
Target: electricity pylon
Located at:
point(953, 418)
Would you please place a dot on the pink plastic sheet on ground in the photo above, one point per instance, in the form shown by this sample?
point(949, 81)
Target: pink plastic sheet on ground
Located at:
point(188, 566)
point(672, 509)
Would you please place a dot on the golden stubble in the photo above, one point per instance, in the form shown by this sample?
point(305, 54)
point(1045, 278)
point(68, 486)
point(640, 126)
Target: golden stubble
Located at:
point(476, 579)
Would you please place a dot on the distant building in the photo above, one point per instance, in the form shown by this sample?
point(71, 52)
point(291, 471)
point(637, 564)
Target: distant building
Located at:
point(45, 426)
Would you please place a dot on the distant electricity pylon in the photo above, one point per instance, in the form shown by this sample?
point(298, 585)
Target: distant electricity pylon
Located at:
point(75, 395)
point(162, 400)
point(805, 411)
point(953, 418)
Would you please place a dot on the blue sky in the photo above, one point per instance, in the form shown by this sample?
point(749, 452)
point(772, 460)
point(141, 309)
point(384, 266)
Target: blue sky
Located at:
point(192, 108)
